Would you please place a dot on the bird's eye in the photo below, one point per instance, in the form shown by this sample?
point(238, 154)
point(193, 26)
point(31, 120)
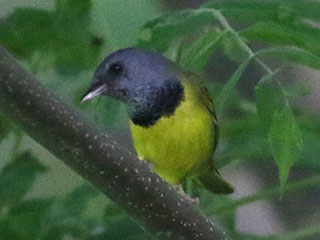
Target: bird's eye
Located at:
point(115, 69)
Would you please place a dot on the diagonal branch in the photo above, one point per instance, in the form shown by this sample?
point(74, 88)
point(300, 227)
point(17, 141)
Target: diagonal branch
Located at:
point(98, 158)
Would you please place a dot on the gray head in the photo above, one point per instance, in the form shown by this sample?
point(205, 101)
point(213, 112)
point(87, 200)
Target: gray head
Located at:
point(146, 81)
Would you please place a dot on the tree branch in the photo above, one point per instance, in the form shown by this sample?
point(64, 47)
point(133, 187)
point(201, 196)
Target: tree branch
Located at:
point(98, 158)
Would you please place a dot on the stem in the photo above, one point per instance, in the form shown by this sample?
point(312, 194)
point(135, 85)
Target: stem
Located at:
point(301, 234)
point(270, 193)
point(223, 21)
point(217, 14)
point(98, 158)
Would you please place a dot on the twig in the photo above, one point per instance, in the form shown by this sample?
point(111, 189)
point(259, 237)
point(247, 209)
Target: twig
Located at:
point(313, 231)
point(273, 192)
point(217, 14)
point(225, 24)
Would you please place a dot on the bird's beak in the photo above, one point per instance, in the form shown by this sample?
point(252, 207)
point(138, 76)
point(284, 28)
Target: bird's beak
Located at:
point(94, 92)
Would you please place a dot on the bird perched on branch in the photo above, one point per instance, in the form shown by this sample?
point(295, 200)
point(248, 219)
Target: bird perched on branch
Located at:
point(172, 118)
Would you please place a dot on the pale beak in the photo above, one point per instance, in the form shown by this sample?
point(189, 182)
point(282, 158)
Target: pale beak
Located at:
point(93, 93)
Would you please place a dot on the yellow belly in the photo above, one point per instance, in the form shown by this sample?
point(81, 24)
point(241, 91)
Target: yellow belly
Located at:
point(181, 145)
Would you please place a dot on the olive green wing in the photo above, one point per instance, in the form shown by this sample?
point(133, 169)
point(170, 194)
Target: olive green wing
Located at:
point(211, 179)
point(206, 99)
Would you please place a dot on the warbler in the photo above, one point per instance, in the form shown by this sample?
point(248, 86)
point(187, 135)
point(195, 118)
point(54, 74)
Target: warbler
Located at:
point(172, 118)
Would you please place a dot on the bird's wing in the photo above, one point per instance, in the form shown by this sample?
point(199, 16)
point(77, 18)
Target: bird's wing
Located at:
point(208, 103)
point(206, 99)
point(210, 179)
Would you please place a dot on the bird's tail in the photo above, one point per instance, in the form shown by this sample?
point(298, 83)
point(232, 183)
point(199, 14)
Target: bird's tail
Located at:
point(213, 181)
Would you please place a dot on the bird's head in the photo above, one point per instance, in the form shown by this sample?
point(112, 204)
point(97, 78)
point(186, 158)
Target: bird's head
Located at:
point(146, 81)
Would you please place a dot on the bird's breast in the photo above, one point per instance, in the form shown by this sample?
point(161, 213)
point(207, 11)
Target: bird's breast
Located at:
point(180, 145)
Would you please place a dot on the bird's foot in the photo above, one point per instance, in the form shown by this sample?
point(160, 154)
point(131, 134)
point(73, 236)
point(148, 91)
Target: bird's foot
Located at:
point(180, 191)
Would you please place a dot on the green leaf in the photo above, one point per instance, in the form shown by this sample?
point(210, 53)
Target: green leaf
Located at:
point(159, 33)
point(61, 223)
point(301, 36)
point(245, 15)
point(214, 202)
point(272, 192)
point(196, 56)
point(83, 54)
point(285, 139)
point(75, 46)
point(241, 138)
point(7, 233)
point(233, 49)
point(67, 216)
point(122, 228)
point(72, 9)
point(312, 232)
point(244, 236)
point(227, 90)
point(310, 153)
point(257, 10)
point(117, 225)
point(17, 177)
point(5, 128)
point(108, 113)
point(299, 89)
point(62, 37)
point(270, 99)
point(120, 21)
point(26, 218)
point(75, 203)
point(291, 54)
point(26, 31)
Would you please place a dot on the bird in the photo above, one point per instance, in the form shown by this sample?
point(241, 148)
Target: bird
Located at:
point(171, 115)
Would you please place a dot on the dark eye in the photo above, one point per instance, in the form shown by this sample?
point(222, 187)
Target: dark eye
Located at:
point(115, 69)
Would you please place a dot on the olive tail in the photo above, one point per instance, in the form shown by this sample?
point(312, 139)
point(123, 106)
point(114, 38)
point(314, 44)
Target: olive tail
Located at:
point(213, 181)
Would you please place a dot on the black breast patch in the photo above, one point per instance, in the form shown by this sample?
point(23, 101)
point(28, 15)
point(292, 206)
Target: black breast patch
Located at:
point(162, 102)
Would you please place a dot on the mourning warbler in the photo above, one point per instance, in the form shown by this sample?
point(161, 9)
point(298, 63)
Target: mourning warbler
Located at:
point(172, 118)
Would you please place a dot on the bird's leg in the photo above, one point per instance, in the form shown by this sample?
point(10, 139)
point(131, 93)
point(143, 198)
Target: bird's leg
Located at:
point(180, 191)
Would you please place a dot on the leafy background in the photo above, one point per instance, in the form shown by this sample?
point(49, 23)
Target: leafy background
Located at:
point(260, 59)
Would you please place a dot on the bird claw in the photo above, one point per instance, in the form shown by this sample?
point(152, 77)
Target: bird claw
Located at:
point(191, 200)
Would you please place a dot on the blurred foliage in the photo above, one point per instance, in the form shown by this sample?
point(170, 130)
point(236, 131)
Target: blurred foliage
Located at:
point(64, 44)
point(56, 217)
point(23, 169)
point(286, 142)
point(194, 58)
point(61, 37)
